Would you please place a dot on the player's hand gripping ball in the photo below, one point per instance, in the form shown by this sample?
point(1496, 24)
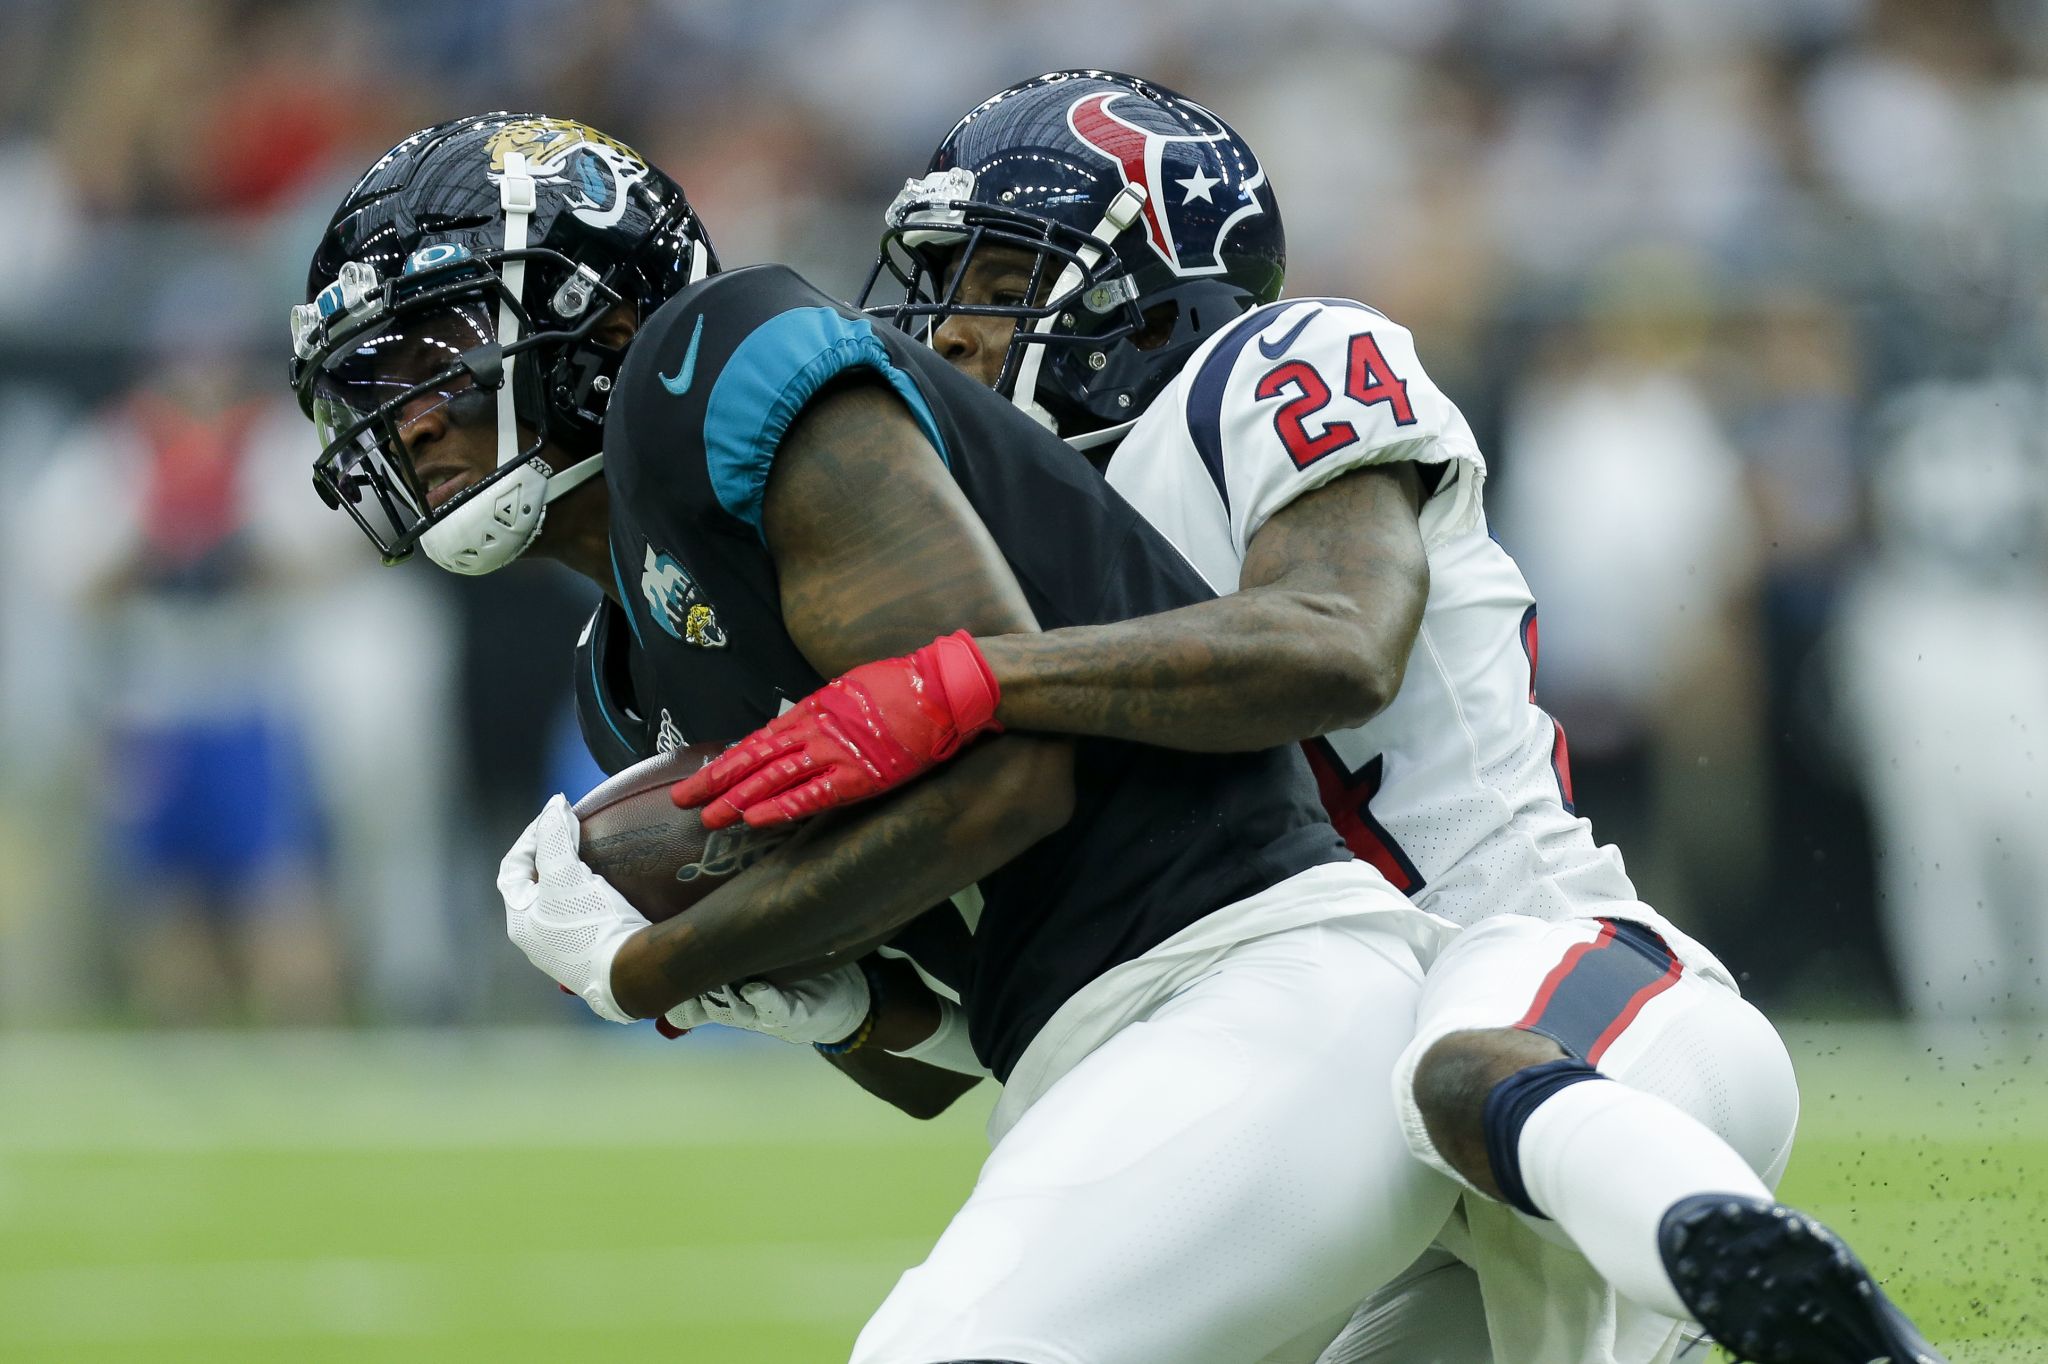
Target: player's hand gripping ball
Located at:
point(865, 732)
point(663, 861)
point(561, 914)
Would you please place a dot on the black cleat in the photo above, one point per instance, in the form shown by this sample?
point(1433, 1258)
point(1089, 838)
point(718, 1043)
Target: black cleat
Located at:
point(1773, 1286)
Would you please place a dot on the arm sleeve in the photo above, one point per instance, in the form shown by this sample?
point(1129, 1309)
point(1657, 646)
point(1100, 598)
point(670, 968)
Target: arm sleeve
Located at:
point(1320, 388)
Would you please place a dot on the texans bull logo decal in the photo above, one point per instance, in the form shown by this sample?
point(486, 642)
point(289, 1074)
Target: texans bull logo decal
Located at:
point(1172, 167)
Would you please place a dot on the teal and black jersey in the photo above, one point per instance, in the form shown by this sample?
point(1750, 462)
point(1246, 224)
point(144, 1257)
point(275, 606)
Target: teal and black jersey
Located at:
point(698, 654)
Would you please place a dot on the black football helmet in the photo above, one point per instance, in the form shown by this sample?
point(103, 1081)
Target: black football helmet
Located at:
point(467, 271)
point(1147, 215)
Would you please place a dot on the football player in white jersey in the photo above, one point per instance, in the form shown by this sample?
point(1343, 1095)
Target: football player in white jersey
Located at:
point(1109, 254)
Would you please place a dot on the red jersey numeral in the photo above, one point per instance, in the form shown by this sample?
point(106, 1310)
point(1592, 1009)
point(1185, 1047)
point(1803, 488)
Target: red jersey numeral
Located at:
point(1368, 379)
point(1303, 448)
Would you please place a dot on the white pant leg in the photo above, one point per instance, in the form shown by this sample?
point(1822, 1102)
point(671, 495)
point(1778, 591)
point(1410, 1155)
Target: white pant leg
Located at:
point(1431, 1314)
point(1208, 1184)
point(1694, 1042)
point(1712, 1054)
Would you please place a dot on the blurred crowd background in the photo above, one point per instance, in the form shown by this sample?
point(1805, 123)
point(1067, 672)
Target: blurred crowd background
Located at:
point(1745, 300)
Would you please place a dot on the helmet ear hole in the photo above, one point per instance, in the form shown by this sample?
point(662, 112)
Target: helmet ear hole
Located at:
point(1158, 325)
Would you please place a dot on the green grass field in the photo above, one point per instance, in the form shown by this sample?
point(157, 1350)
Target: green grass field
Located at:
point(569, 1196)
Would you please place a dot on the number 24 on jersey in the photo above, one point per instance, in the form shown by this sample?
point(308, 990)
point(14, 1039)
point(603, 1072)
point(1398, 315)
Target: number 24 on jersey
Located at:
point(1368, 379)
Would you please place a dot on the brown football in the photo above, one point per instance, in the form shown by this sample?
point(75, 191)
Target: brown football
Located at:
point(661, 858)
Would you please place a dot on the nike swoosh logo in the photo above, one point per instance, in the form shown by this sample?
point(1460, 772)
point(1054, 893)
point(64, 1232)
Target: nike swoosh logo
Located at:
point(679, 382)
point(1275, 350)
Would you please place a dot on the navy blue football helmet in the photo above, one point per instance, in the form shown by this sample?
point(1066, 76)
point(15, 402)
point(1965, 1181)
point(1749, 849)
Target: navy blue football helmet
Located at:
point(467, 272)
point(1149, 218)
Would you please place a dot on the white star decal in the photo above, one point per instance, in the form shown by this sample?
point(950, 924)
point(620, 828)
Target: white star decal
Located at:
point(1198, 186)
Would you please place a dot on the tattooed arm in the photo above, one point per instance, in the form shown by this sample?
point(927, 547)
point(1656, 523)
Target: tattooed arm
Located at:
point(1316, 638)
point(876, 550)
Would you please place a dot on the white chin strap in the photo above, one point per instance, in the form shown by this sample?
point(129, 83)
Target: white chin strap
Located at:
point(1088, 440)
point(495, 527)
point(1122, 212)
point(700, 260)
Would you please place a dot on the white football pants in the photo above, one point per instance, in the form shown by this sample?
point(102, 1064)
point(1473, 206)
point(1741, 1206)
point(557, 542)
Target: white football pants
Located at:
point(1206, 1186)
point(1682, 1035)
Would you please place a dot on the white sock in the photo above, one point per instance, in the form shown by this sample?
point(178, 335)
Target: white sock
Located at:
point(1606, 1162)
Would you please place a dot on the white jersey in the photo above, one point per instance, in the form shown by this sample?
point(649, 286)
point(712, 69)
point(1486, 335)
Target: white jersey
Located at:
point(1460, 791)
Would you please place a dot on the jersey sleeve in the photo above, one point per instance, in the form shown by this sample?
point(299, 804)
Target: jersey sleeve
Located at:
point(731, 363)
point(1309, 389)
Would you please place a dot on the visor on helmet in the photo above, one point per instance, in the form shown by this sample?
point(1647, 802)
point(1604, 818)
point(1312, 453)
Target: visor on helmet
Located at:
point(369, 392)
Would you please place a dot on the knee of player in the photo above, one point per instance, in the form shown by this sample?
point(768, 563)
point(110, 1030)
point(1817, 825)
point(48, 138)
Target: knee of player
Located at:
point(1459, 1071)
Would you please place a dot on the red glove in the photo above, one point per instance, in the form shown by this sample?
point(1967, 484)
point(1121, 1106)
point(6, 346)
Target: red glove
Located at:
point(865, 732)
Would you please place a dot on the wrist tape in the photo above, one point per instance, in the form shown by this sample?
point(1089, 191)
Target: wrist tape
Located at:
point(968, 685)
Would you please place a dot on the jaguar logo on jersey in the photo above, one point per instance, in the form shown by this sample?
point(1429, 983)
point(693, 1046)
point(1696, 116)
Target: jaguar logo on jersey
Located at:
point(676, 604)
point(595, 171)
point(1192, 198)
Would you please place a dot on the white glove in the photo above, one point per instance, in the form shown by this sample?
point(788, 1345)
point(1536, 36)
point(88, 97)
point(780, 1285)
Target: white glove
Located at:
point(565, 917)
point(827, 1008)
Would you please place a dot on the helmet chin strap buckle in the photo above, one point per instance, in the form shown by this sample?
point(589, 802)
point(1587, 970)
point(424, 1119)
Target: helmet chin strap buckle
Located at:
point(1122, 212)
point(573, 299)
